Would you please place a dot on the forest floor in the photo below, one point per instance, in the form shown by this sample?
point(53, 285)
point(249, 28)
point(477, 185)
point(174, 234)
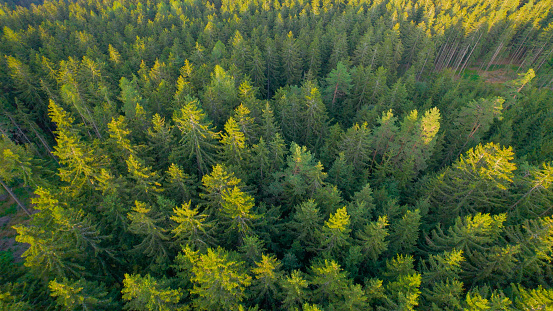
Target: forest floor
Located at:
point(500, 71)
point(11, 215)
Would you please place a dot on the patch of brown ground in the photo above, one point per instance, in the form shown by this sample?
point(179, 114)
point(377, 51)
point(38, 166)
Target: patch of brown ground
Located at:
point(8, 234)
point(497, 76)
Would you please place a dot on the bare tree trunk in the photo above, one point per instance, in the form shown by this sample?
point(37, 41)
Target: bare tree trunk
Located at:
point(470, 54)
point(439, 55)
point(425, 60)
point(544, 60)
point(44, 143)
point(451, 53)
point(494, 55)
point(10, 192)
point(459, 59)
point(18, 128)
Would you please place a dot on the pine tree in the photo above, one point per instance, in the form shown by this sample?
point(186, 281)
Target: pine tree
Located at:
point(471, 123)
point(181, 185)
point(373, 240)
point(291, 61)
point(533, 299)
point(268, 127)
point(294, 290)
point(215, 185)
point(219, 282)
point(147, 293)
point(441, 286)
point(265, 283)
point(236, 207)
point(220, 96)
point(79, 163)
point(234, 143)
point(330, 282)
point(118, 133)
point(356, 146)
point(534, 199)
point(241, 52)
point(80, 295)
point(246, 123)
point(61, 238)
point(314, 117)
point(191, 227)
point(338, 85)
point(160, 141)
point(197, 137)
point(257, 71)
point(301, 178)
point(146, 182)
point(149, 226)
point(335, 233)
point(405, 233)
point(468, 233)
point(342, 175)
point(306, 223)
point(476, 182)
point(402, 290)
point(16, 165)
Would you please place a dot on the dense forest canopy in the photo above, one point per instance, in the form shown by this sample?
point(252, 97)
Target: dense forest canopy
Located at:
point(268, 155)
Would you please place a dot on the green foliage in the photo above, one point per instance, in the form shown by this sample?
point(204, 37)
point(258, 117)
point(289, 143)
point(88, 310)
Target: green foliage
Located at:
point(137, 129)
point(191, 227)
point(476, 182)
point(302, 176)
point(148, 226)
point(147, 293)
point(219, 282)
point(197, 137)
point(373, 238)
point(80, 295)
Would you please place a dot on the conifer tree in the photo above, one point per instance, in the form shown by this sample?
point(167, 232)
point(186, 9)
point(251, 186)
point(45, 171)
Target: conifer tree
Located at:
point(338, 85)
point(314, 117)
point(331, 283)
point(147, 293)
point(219, 282)
point(118, 133)
point(197, 137)
point(301, 178)
point(265, 283)
point(191, 227)
point(16, 164)
point(294, 290)
point(373, 238)
point(476, 182)
point(60, 238)
point(234, 143)
point(405, 232)
point(402, 290)
point(149, 226)
point(160, 141)
point(291, 61)
point(246, 123)
point(220, 96)
point(146, 182)
point(335, 233)
point(181, 185)
point(215, 185)
point(80, 295)
point(356, 146)
point(236, 207)
point(79, 163)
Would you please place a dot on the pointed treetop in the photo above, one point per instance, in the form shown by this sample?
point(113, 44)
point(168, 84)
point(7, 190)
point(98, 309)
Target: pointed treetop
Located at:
point(339, 220)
